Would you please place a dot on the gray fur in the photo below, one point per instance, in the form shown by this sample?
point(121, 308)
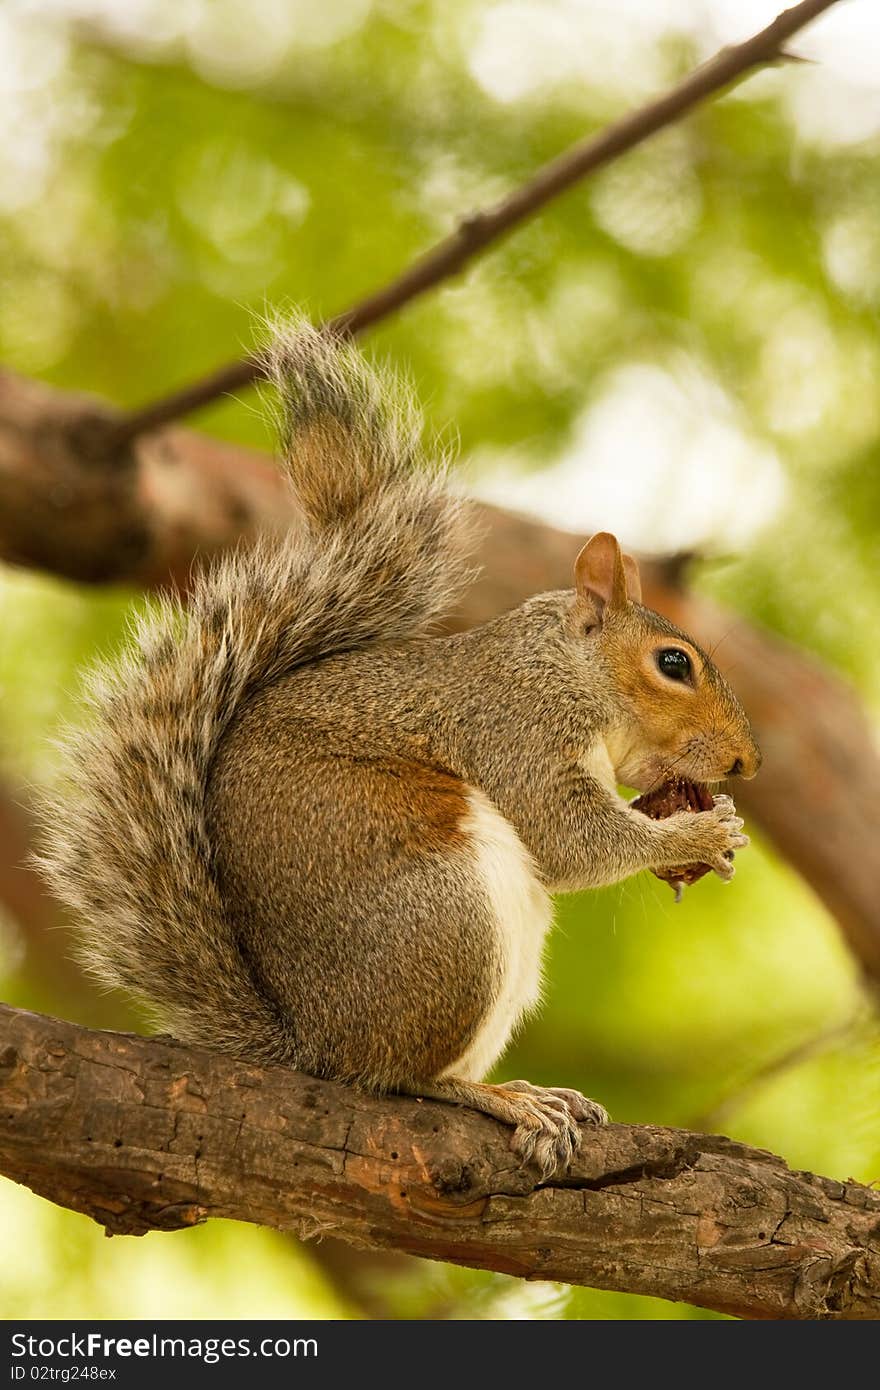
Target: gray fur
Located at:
point(264, 832)
point(125, 842)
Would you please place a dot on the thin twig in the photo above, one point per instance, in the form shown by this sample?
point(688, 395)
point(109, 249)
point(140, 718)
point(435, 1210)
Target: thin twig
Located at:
point(806, 1050)
point(481, 229)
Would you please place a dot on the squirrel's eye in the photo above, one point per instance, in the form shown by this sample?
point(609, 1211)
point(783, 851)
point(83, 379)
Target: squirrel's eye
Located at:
point(674, 663)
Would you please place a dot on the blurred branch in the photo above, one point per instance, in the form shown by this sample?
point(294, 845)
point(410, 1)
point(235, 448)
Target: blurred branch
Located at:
point(818, 791)
point(365, 1278)
point(181, 496)
point(144, 1134)
point(815, 1045)
point(482, 229)
point(22, 891)
point(66, 510)
point(50, 968)
point(821, 770)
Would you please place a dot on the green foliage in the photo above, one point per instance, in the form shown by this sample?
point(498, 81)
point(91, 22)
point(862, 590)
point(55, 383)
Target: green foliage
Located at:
point(188, 186)
point(64, 1266)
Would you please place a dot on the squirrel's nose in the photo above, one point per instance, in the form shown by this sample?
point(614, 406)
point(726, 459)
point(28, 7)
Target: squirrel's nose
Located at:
point(746, 766)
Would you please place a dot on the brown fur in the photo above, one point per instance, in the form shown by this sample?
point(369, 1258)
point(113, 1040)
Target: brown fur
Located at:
point(272, 832)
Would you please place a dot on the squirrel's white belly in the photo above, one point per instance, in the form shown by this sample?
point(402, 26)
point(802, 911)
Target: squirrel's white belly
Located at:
point(523, 911)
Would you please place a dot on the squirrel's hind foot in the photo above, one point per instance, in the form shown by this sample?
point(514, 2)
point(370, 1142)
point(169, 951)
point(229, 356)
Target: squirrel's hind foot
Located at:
point(547, 1134)
point(546, 1119)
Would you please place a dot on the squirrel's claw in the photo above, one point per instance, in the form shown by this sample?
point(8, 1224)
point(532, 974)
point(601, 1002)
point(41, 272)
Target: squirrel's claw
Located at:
point(547, 1119)
point(724, 868)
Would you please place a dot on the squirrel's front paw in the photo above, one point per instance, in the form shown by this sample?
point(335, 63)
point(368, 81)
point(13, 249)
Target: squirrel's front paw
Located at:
point(727, 826)
point(547, 1119)
point(705, 837)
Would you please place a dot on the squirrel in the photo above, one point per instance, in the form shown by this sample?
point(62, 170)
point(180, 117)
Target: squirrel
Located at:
point(308, 830)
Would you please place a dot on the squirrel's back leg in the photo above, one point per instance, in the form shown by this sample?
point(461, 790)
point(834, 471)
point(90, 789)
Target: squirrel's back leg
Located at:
point(545, 1118)
point(348, 876)
point(390, 912)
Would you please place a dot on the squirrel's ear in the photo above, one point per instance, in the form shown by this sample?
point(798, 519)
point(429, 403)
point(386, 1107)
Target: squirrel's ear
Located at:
point(633, 578)
point(599, 573)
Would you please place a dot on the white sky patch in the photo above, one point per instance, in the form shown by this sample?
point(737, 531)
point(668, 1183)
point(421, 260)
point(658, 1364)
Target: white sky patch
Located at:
point(661, 458)
point(801, 371)
point(515, 49)
point(238, 39)
point(152, 23)
point(851, 252)
point(652, 202)
point(32, 55)
point(239, 45)
point(831, 111)
point(521, 48)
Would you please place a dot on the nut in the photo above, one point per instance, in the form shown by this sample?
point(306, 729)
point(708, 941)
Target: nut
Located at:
point(677, 795)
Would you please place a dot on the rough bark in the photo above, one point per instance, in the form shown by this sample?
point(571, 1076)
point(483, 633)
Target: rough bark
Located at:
point(144, 515)
point(144, 1134)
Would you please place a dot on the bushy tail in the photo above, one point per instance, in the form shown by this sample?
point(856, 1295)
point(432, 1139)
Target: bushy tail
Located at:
point(381, 552)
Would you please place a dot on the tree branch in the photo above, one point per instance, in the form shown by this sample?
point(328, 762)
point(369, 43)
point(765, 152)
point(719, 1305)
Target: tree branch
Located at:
point(179, 496)
point(144, 1134)
point(482, 229)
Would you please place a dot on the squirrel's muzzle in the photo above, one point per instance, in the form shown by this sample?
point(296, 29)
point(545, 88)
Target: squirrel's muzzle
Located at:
point(746, 764)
